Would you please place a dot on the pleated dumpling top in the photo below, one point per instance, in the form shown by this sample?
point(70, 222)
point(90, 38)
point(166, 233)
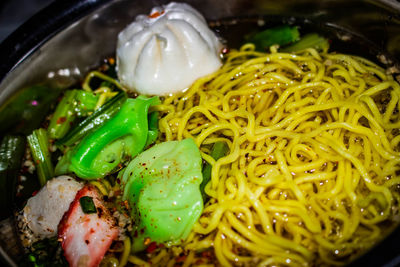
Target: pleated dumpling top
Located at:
point(166, 51)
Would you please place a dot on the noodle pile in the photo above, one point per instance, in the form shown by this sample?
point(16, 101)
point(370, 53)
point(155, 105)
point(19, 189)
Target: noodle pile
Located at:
point(311, 177)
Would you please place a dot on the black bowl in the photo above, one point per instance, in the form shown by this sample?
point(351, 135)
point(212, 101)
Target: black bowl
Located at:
point(66, 39)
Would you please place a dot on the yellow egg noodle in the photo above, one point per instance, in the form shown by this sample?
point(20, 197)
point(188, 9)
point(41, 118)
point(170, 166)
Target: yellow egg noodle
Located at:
point(312, 173)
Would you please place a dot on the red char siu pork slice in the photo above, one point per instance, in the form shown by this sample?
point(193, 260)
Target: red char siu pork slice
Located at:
point(87, 229)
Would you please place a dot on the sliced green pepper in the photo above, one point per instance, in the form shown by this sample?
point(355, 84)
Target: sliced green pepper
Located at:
point(153, 128)
point(281, 35)
point(94, 121)
point(219, 150)
point(87, 205)
point(62, 117)
point(311, 40)
point(75, 103)
point(85, 103)
point(119, 139)
point(12, 149)
point(39, 145)
point(161, 186)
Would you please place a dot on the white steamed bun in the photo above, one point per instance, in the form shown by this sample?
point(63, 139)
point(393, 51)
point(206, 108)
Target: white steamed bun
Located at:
point(167, 51)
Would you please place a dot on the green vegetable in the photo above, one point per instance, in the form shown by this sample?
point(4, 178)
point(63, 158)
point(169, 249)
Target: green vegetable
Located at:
point(153, 128)
point(87, 205)
point(74, 103)
point(311, 40)
point(39, 145)
point(62, 117)
point(85, 103)
point(45, 253)
point(94, 121)
point(26, 110)
point(281, 35)
point(219, 150)
point(119, 139)
point(12, 149)
point(161, 186)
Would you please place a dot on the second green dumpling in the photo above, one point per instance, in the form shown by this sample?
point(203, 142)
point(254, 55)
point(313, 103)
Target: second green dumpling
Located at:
point(162, 188)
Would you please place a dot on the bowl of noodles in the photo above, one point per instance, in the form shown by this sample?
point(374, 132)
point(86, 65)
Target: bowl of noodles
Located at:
point(237, 133)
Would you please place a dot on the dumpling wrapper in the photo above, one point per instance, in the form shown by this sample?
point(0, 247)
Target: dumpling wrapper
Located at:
point(167, 51)
point(162, 188)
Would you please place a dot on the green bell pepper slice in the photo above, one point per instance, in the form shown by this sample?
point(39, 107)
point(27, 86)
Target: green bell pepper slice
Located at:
point(75, 103)
point(94, 121)
point(12, 150)
point(119, 139)
point(161, 186)
point(40, 149)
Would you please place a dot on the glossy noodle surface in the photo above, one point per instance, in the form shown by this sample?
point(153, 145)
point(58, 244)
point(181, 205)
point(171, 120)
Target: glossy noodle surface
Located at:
point(311, 177)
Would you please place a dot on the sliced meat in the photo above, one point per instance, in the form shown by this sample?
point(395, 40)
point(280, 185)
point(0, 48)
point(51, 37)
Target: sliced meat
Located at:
point(87, 237)
point(43, 212)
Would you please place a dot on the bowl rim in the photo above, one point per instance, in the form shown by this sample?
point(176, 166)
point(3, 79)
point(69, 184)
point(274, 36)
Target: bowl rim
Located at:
point(33, 33)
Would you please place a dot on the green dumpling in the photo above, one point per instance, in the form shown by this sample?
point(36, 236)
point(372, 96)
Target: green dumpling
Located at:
point(162, 188)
